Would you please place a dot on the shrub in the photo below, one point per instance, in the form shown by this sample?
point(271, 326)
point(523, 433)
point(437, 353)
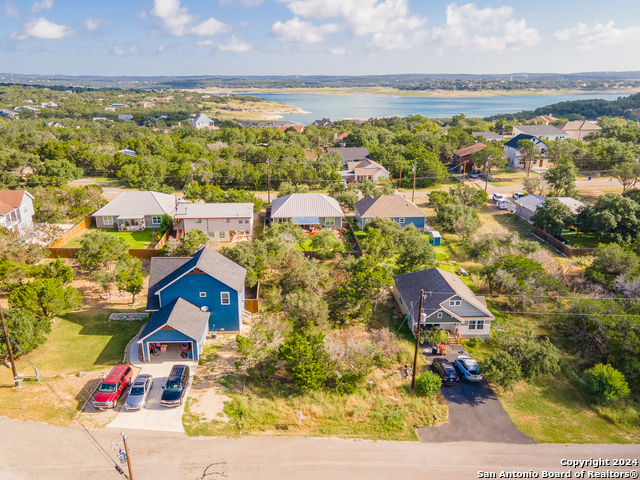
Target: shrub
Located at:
point(606, 383)
point(428, 384)
point(502, 369)
point(304, 359)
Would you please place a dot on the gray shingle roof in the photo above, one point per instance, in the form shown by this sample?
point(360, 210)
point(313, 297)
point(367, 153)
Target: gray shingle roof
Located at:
point(530, 202)
point(438, 286)
point(139, 203)
point(513, 143)
point(573, 204)
point(388, 206)
point(489, 136)
point(351, 153)
point(214, 210)
point(180, 315)
point(165, 270)
point(537, 130)
point(305, 205)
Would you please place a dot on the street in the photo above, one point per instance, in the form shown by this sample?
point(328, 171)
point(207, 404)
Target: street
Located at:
point(33, 451)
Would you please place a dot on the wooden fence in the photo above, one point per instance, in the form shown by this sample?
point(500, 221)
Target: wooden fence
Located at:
point(253, 304)
point(74, 232)
point(561, 247)
point(358, 251)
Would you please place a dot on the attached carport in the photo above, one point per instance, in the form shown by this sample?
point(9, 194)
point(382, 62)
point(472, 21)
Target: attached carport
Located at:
point(179, 323)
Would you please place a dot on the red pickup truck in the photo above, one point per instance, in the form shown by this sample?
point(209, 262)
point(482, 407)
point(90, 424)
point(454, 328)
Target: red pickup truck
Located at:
point(112, 387)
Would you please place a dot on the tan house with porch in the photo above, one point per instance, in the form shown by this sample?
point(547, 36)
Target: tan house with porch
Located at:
point(222, 222)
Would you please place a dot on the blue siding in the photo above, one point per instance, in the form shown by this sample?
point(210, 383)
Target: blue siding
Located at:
point(418, 222)
point(224, 317)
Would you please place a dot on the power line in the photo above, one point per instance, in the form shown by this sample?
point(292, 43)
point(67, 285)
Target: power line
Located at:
point(91, 438)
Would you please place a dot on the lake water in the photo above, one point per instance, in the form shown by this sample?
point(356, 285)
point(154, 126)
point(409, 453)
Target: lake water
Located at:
point(341, 106)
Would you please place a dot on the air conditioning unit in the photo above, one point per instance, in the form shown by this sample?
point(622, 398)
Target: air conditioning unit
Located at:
point(204, 308)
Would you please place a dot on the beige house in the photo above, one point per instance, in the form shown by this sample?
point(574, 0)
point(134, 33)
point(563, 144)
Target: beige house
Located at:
point(579, 129)
point(222, 222)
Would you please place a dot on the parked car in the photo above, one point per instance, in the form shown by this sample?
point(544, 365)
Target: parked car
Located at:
point(506, 205)
point(112, 387)
point(497, 197)
point(139, 392)
point(176, 386)
point(518, 195)
point(472, 176)
point(447, 372)
point(469, 368)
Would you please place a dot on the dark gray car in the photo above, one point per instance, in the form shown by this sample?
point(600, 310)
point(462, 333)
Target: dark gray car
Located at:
point(139, 392)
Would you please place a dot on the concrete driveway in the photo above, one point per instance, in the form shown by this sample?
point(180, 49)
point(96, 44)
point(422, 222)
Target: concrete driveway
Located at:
point(475, 414)
point(154, 417)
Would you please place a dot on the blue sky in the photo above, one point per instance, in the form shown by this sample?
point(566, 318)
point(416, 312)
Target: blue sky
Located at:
point(311, 37)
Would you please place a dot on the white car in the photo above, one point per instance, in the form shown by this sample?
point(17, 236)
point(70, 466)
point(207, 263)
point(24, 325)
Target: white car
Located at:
point(469, 368)
point(497, 197)
point(518, 195)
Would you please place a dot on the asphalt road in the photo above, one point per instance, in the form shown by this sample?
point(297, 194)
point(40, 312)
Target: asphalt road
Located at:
point(475, 415)
point(34, 451)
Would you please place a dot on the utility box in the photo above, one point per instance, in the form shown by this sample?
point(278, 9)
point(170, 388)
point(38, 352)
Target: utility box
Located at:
point(435, 238)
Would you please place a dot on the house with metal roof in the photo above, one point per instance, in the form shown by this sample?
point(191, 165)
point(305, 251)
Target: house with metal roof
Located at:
point(543, 132)
point(202, 121)
point(394, 207)
point(125, 117)
point(135, 211)
point(16, 211)
point(488, 136)
point(526, 206)
point(128, 151)
point(351, 154)
point(191, 296)
point(222, 222)
point(312, 209)
point(448, 304)
point(8, 114)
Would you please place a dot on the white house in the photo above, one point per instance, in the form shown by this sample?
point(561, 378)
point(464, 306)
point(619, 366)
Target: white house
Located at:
point(543, 132)
point(16, 210)
point(580, 129)
point(222, 222)
point(202, 121)
point(512, 150)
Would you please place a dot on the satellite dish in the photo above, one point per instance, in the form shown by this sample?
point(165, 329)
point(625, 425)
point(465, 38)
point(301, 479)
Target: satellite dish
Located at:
point(204, 309)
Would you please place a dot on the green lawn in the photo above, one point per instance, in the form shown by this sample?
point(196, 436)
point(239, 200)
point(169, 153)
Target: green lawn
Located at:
point(582, 240)
point(141, 239)
point(306, 246)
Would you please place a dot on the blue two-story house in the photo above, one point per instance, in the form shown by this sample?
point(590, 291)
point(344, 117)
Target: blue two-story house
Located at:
point(395, 207)
point(189, 297)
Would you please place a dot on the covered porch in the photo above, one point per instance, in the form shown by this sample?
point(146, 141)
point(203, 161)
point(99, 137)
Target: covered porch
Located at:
point(130, 223)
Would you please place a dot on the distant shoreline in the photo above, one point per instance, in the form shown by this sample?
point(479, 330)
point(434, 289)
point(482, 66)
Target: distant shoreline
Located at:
point(417, 93)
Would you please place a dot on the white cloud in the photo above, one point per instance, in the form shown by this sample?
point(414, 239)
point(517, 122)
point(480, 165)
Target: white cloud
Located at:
point(599, 35)
point(124, 49)
point(92, 24)
point(180, 22)
point(233, 44)
point(43, 29)
point(10, 9)
point(296, 30)
point(43, 5)
point(387, 21)
point(338, 51)
point(489, 29)
point(244, 3)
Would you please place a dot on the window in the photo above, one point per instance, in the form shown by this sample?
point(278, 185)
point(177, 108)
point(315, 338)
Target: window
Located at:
point(156, 219)
point(225, 298)
point(472, 324)
point(226, 220)
point(203, 294)
point(439, 314)
point(329, 222)
point(401, 220)
point(198, 220)
point(455, 303)
point(480, 325)
point(107, 221)
point(222, 234)
point(212, 234)
point(25, 208)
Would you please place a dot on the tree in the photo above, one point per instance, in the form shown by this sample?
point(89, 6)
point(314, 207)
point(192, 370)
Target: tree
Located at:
point(165, 224)
point(45, 297)
point(416, 253)
point(562, 178)
point(286, 188)
point(553, 217)
point(106, 279)
point(449, 214)
point(613, 218)
point(128, 276)
point(467, 224)
point(534, 185)
point(55, 269)
point(535, 357)
point(192, 241)
point(502, 369)
point(529, 152)
point(25, 329)
point(490, 157)
point(627, 173)
point(100, 249)
point(606, 383)
point(304, 360)
point(345, 194)
point(325, 244)
point(611, 262)
point(303, 308)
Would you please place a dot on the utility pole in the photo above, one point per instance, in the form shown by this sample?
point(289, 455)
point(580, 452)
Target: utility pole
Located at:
point(415, 164)
point(464, 164)
point(400, 181)
point(415, 355)
point(126, 451)
point(488, 167)
point(11, 360)
point(268, 182)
